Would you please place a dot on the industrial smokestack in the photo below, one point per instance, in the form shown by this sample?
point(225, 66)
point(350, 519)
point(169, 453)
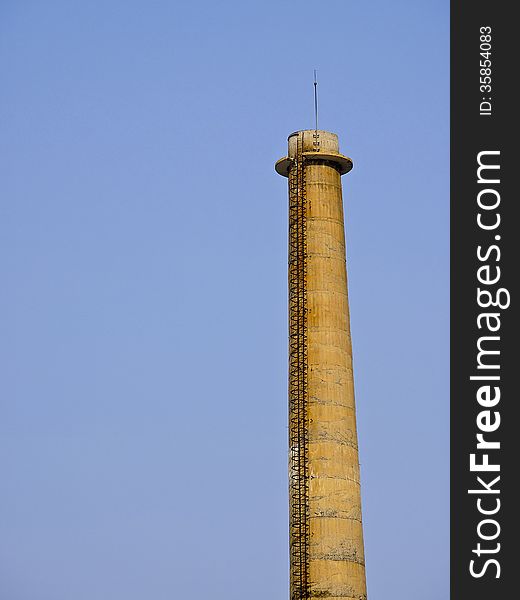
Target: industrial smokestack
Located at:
point(325, 530)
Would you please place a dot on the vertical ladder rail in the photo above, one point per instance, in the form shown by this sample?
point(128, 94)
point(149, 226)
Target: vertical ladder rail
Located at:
point(298, 418)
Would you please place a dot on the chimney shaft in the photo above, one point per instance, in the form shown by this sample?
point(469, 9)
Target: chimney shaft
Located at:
point(326, 537)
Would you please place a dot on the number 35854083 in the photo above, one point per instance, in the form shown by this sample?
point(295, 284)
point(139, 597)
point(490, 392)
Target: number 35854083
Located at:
point(485, 59)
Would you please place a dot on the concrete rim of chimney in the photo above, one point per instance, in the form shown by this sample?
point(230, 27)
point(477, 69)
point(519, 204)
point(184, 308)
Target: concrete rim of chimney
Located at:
point(329, 154)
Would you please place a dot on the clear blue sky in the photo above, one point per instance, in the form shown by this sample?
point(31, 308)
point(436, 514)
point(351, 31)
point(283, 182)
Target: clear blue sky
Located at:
point(143, 309)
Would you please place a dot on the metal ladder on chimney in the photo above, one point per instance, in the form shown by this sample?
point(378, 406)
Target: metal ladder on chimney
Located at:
point(298, 370)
